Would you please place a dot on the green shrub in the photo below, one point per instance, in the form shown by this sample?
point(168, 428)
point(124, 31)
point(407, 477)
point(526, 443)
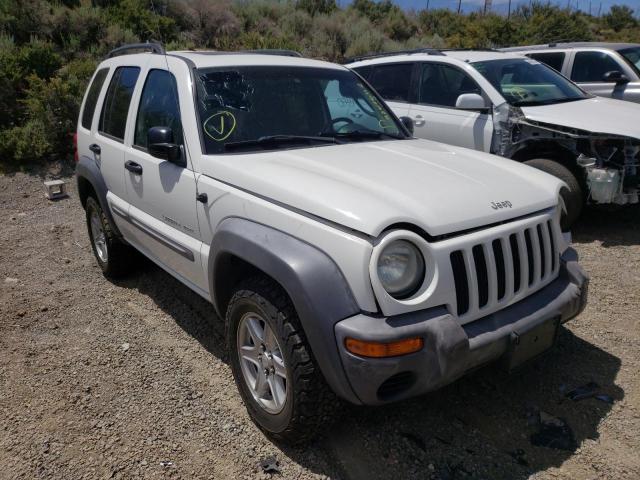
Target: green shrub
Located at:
point(49, 49)
point(25, 144)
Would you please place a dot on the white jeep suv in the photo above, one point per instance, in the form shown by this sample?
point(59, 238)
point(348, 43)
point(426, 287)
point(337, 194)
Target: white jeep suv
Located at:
point(347, 258)
point(518, 108)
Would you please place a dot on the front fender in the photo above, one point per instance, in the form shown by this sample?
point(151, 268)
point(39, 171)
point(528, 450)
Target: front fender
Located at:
point(315, 284)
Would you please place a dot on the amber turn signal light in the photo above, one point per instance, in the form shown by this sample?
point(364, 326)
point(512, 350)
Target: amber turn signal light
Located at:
point(381, 350)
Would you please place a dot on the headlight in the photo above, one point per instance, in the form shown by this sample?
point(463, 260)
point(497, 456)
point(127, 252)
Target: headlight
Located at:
point(401, 269)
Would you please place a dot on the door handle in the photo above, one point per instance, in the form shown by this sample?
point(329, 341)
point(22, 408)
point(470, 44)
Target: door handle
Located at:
point(418, 121)
point(95, 148)
point(133, 167)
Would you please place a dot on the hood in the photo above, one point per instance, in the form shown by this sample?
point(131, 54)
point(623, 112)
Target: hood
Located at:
point(595, 115)
point(369, 186)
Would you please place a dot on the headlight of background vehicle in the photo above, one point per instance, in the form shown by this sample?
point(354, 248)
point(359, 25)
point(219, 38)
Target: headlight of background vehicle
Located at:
point(401, 269)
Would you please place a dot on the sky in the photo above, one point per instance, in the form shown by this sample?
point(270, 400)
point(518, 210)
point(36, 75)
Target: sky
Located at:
point(500, 6)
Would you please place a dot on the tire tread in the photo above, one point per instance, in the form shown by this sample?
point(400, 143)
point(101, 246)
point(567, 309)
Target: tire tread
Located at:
point(314, 404)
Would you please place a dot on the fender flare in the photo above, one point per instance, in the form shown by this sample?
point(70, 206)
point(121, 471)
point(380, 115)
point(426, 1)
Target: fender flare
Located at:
point(88, 170)
point(314, 283)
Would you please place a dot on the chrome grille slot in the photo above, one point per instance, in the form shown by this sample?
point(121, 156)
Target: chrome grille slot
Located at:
point(503, 269)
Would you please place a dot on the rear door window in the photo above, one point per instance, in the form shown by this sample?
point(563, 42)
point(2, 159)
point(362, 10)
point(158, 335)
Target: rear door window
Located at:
point(590, 67)
point(92, 97)
point(158, 107)
point(441, 85)
point(113, 120)
point(392, 81)
point(554, 59)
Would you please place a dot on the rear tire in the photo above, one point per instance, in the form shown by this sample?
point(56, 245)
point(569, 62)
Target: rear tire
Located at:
point(573, 196)
point(306, 402)
point(114, 257)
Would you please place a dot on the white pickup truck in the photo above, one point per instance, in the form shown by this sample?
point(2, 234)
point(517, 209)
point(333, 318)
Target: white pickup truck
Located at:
point(519, 108)
point(346, 257)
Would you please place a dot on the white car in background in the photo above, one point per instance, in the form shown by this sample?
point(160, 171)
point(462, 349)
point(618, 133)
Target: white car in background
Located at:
point(604, 69)
point(518, 108)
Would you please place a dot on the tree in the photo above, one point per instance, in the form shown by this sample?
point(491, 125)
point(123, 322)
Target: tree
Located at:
point(314, 7)
point(620, 17)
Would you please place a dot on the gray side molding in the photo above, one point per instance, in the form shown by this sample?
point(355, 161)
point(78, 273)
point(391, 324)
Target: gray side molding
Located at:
point(86, 169)
point(313, 281)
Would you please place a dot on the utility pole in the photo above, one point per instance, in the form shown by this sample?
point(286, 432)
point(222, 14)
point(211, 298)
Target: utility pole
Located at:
point(428, 5)
point(459, 5)
point(509, 11)
point(600, 10)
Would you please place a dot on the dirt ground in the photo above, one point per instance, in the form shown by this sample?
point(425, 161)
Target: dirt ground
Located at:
point(130, 380)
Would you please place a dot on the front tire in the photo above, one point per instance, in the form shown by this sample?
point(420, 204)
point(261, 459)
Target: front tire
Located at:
point(278, 380)
point(114, 257)
point(572, 196)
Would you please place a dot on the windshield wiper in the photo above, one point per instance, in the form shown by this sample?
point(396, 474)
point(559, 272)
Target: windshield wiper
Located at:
point(359, 134)
point(275, 140)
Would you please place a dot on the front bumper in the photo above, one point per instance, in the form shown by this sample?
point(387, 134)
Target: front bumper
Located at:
point(451, 349)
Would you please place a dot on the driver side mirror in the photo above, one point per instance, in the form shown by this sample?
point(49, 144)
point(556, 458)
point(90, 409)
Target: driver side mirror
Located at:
point(160, 145)
point(471, 101)
point(615, 76)
point(408, 123)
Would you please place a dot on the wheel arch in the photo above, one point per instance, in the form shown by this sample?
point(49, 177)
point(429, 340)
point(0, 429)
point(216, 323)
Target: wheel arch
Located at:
point(550, 151)
point(314, 283)
point(90, 182)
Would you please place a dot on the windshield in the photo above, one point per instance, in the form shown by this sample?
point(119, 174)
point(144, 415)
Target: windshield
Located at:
point(632, 56)
point(266, 107)
point(526, 82)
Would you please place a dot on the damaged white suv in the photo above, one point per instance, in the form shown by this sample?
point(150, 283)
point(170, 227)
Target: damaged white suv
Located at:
point(346, 258)
point(518, 108)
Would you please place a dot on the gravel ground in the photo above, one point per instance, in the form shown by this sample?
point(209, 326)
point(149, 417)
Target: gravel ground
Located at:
point(129, 380)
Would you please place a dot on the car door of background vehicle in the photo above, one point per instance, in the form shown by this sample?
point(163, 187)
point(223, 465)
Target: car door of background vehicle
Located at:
point(589, 66)
point(435, 114)
point(162, 196)
point(393, 82)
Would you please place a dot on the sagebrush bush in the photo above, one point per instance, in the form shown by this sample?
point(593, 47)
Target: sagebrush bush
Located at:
point(48, 49)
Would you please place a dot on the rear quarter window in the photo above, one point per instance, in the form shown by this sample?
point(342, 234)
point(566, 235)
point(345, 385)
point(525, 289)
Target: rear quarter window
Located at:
point(113, 120)
point(92, 97)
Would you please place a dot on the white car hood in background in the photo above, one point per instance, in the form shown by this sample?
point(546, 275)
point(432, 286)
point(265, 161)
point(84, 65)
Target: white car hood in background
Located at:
point(369, 186)
point(596, 115)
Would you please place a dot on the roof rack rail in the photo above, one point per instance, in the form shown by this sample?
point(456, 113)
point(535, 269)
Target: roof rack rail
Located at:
point(469, 50)
point(428, 51)
point(274, 51)
point(130, 48)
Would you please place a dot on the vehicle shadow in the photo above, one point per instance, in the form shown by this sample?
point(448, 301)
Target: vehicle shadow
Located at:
point(613, 226)
point(478, 427)
point(195, 315)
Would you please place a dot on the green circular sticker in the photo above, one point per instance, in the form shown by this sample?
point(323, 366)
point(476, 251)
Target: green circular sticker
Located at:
point(220, 125)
